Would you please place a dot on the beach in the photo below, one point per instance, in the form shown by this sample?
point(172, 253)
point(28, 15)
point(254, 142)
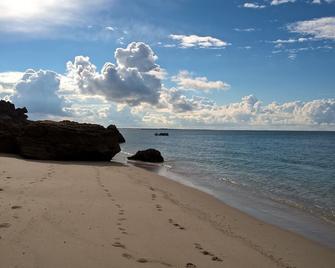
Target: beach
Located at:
point(91, 214)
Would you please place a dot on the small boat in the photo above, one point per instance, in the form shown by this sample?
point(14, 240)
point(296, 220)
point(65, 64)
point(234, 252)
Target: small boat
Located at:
point(162, 134)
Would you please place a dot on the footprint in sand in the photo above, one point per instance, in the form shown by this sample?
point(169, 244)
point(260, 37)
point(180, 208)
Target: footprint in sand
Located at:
point(142, 260)
point(190, 265)
point(127, 256)
point(176, 224)
point(153, 197)
point(4, 225)
point(159, 207)
point(118, 245)
point(207, 253)
point(16, 207)
point(1, 189)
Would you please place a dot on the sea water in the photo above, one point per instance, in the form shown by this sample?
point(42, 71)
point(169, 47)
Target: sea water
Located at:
point(286, 178)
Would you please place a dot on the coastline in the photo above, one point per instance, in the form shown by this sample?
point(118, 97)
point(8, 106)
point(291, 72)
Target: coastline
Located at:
point(73, 214)
point(263, 208)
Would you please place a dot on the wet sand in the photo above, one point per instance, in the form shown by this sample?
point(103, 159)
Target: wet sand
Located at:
point(57, 214)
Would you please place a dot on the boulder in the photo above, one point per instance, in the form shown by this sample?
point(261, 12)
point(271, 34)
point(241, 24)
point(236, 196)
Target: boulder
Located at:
point(67, 140)
point(50, 140)
point(149, 155)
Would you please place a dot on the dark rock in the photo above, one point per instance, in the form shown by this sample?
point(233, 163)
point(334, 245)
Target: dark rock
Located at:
point(149, 155)
point(11, 122)
point(116, 132)
point(9, 112)
point(68, 140)
point(50, 140)
point(162, 134)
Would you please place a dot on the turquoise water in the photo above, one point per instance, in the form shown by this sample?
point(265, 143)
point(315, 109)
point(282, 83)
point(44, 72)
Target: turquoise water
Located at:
point(286, 178)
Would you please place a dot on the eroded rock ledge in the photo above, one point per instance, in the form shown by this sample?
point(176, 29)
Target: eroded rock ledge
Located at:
point(50, 140)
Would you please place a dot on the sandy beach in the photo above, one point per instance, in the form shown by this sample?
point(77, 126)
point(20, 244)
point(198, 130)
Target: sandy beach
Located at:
point(57, 214)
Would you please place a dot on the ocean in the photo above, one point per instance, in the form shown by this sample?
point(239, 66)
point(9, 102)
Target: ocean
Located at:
point(286, 178)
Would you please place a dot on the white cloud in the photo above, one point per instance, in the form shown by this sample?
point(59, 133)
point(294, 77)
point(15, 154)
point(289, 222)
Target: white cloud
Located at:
point(321, 28)
point(133, 79)
point(110, 28)
point(320, 2)
point(8, 80)
point(253, 6)
point(38, 91)
point(173, 100)
point(248, 113)
point(189, 41)
point(185, 81)
point(29, 16)
point(280, 2)
point(130, 92)
point(291, 40)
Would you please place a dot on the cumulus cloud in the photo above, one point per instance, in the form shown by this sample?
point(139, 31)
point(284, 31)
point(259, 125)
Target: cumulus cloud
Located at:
point(195, 41)
point(253, 6)
point(321, 28)
point(248, 113)
point(132, 90)
point(8, 81)
point(38, 91)
point(185, 81)
point(250, 110)
point(175, 101)
point(132, 80)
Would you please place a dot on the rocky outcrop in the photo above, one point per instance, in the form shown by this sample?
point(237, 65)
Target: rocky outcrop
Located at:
point(8, 112)
point(12, 121)
point(50, 140)
point(68, 140)
point(149, 155)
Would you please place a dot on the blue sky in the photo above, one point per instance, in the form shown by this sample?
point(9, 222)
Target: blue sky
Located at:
point(225, 53)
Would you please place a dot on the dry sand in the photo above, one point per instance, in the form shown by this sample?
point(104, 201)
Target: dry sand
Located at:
point(55, 214)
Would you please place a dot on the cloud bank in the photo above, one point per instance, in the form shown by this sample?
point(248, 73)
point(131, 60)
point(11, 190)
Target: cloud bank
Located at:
point(131, 92)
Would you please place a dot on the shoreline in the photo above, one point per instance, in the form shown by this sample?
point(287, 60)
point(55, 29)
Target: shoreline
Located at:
point(270, 211)
point(162, 219)
point(281, 215)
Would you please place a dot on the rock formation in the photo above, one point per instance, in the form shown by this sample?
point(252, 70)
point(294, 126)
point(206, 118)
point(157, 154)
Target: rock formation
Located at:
point(149, 155)
point(11, 123)
point(50, 140)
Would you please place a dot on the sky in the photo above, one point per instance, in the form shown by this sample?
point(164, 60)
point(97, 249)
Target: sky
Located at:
point(266, 64)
